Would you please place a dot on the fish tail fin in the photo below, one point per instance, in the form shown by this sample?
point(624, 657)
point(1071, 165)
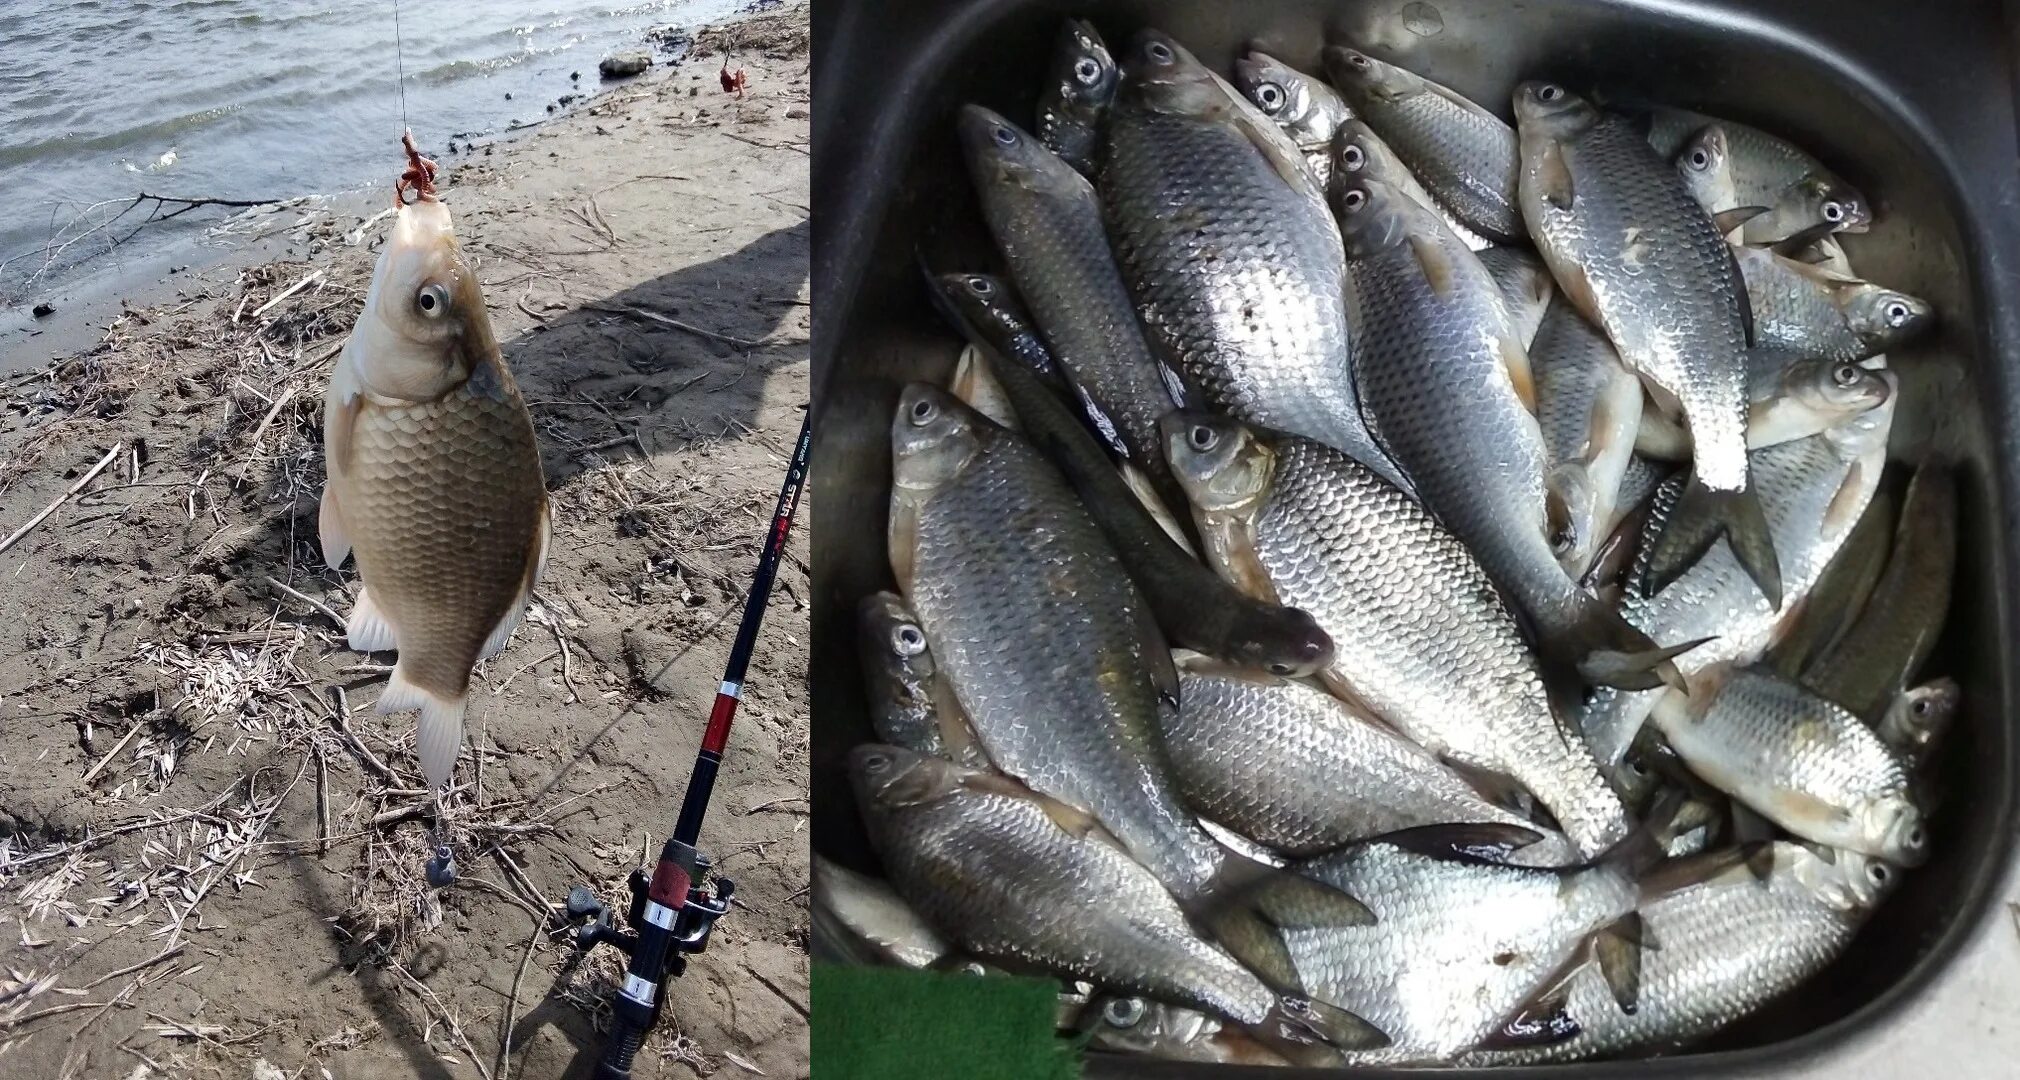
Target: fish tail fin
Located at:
point(1610, 651)
point(1702, 516)
point(1248, 905)
point(1312, 1033)
point(440, 736)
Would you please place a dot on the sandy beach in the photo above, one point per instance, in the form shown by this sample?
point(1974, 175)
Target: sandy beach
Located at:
point(211, 849)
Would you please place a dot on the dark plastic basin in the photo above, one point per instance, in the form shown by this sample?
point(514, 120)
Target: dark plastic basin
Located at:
point(1914, 103)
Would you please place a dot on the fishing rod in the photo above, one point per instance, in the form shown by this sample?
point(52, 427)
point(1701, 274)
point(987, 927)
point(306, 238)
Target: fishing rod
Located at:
point(673, 910)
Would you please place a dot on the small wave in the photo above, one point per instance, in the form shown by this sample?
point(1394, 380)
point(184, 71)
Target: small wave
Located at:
point(123, 139)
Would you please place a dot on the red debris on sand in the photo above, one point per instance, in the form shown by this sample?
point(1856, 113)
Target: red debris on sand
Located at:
point(732, 81)
point(419, 177)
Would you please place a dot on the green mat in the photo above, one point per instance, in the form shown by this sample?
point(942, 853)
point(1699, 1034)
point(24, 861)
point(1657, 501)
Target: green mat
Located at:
point(894, 1024)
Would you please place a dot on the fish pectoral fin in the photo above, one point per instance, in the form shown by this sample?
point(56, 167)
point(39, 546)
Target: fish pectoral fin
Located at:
point(1544, 1018)
point(1302, 1030)
point(330, 527)
point(1732, 865)
point(1436, 265)
point(440, 735)
point(1553, 176)
point(1489, 840)
point(1801, 808)
point(902, 539)
point(368, 630)
point(1515, 359)
point(1740, 294)
point(1617, 948)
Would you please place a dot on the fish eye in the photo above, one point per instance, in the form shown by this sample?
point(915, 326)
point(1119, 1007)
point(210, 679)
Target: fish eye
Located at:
point(981, 286)
point(876, 762)
point(1281, 668)
point(1637, 768)
point(1878, 873)
point(1920, 707)
point(1699, 159)
point(1550, 92)
point(1847, 375)
point(1359, 60)
point(1005, 136)
point(1353, 157)
point(1202, 438)
point(909, 640)
point(1123, 1012)
point(1897, 314)
point(1270, 96)
point(1354, 199)
point(1159, 52)
point(923, 411)
point(1086, 70)
point(1915, 839)
point(1833, 212)
point(432, 300)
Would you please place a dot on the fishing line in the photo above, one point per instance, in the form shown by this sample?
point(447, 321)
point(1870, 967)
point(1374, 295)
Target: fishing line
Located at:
point(400, 60)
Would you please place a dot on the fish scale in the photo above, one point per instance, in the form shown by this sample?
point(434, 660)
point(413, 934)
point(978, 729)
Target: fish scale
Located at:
point(1457, 944)
point(1423, 636)
point(1661, 283)
point(1023, 601)
point(1297, 770)
point(1000, 876)
point(1236, 268)
point(436, 503)
point(1813, 491)
point(1724, 949)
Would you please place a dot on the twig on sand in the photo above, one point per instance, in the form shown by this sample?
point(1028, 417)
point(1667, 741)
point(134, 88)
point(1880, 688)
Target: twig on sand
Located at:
point(265, 422)
point(171, 951)
point(313, 277)
point(455, 1029)
point(668, 320)
point(92, 773)
point(38, 519)
point(310, 601)
point(512, 1007)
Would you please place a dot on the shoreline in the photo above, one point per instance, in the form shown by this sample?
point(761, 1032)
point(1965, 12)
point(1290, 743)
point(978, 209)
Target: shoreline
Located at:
point(92, 295)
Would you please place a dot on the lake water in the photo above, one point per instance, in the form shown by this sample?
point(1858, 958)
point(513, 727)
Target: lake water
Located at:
point(261, 99)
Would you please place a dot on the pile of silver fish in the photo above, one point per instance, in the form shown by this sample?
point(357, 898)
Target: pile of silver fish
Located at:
point(1385, 584)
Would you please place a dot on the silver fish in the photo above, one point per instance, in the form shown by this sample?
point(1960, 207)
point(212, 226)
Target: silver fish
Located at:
point(1798, 760)
point(1638, 257)
point(1789, 396)
point(1423, 639)
point(1590, 407)
point(1308, 110)
point(1445, 921)
point(1705, 161)
point(1918, 719)
point(1464, 154)
point(872, 912)
point(1232, 252)
point(1525, 283)
point(1725, 948)
point(1047, 220)
point(910, 705)
point(1024, 600)
point(1799, 193)
point(977, 856)
point(1297, 770)
point(1358, 151)
point(1840, 593)
point(1805, 309)
point(1078, 92)
point(1437, 349)
point(1135, 1025)
point(1815, 490)
point(1892, 638)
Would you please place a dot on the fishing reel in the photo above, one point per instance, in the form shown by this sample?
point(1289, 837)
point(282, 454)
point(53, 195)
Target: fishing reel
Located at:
point(673, 912)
